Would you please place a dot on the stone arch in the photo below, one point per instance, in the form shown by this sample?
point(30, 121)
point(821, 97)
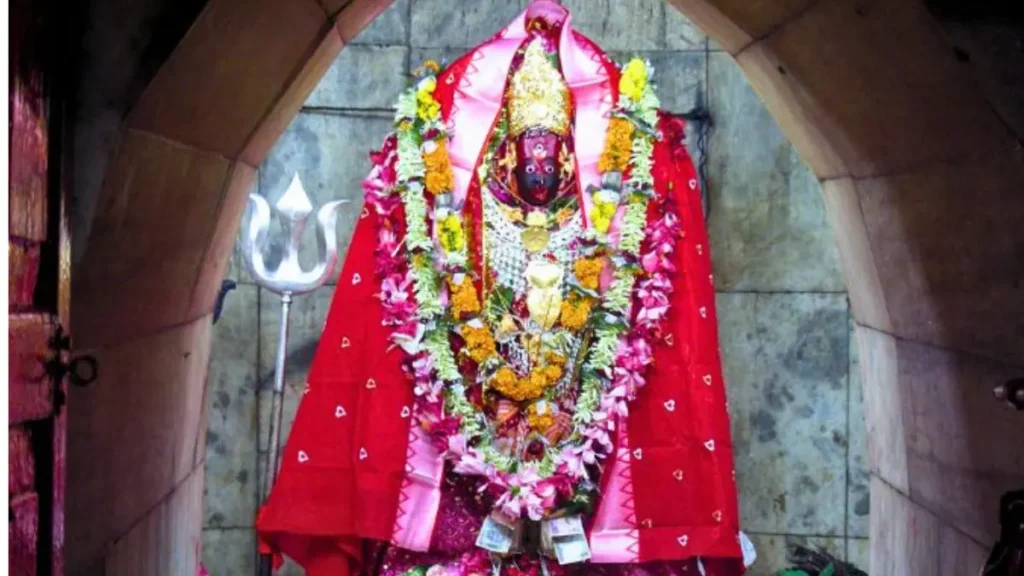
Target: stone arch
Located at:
point(921, 177)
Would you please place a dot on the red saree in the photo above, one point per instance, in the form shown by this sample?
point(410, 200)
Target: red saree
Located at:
point(350, 464)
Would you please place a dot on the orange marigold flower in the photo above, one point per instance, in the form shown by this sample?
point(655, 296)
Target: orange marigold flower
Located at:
point(552, 373)
point(505, 377)
point(618, 145)
point(574, 314)
point(540, 422)
point(588, 272)
point(463, 298)
point(479, 342)
point(439, 178)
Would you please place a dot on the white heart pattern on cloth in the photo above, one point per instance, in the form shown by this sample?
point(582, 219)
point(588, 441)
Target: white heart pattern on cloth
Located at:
point(670, 405)
point(406, 411)
point(638, 454)
point(693, 183)
point(707, 379)
point(363, 455)
point(703, 312)
point(710, 445)
point(678, 474)
point(345, 343)
point(683, 540)
point(356, 278)
point(371, 384)
point(717, 515)
point(339, 411)
point(303, 457)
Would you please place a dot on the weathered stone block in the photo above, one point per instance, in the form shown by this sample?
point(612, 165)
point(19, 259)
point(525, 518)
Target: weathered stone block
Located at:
point(146, 408)
point(949, 262)
point(958, 554)
point(897, 47)
point(229, 551)
point(786, 366)
point(858, 502)
point(768, 227)
point(960, 458)
point(231, 481)
point(330, 153)
point(225, 75)
point(390, 27)
point(772, 550)
point(680, 33)
point(362, 77)
point(441, 55)
point(620, 24)
point(437, 23)
point(166, 539)
point(858, 553)
point(904, 536)
point(885, 406)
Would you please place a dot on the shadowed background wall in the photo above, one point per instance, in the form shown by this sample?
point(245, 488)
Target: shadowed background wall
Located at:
point(908, 121)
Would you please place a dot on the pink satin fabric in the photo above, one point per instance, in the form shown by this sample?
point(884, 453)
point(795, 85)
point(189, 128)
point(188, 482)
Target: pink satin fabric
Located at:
point(614, 538)
point(420, 495)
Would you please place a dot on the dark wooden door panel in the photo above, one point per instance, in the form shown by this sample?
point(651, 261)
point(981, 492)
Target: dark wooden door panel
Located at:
point(31, 388)
point(38, 284)
point(23, 537)
point(23, 272)
point(21, 476)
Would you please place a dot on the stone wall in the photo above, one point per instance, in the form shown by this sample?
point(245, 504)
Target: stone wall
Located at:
point(791, 363)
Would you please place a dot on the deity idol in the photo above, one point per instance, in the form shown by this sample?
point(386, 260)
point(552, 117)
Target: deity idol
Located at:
point(519, 373)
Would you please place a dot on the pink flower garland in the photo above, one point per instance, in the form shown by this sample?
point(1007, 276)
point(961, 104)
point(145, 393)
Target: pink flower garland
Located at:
point(524, 491)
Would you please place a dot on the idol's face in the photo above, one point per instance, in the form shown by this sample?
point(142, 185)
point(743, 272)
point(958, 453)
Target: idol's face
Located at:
point(538, 171)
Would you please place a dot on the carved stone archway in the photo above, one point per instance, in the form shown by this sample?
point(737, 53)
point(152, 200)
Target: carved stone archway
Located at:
point(921, 178)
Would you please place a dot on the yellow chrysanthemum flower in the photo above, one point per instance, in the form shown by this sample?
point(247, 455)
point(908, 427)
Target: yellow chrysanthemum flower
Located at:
point(634, 79)
point(451, 234)
point(601, 215)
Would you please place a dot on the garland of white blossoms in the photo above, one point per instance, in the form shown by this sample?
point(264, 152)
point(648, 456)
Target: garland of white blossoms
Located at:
point(605, 387)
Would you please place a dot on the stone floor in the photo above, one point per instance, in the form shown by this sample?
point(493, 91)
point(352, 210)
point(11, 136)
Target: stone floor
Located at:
point(790, 360)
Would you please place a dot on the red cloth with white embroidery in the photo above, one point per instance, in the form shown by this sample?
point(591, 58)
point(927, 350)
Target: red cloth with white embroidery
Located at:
point(344, 463)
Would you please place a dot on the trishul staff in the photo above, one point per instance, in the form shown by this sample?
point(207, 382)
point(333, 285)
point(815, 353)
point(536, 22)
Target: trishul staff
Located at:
point(287, 280)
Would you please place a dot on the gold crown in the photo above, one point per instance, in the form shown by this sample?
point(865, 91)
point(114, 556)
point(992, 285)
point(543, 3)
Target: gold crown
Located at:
point(538, 94)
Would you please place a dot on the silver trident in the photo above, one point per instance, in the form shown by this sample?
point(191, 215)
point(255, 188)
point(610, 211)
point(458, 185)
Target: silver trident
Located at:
point(287, 280)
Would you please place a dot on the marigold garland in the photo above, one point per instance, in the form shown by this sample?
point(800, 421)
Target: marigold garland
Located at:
point(617, 146)
point(619, 352)
point(440, 178)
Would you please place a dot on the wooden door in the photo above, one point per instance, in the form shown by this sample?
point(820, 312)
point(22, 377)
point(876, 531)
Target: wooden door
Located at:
point(38, 283)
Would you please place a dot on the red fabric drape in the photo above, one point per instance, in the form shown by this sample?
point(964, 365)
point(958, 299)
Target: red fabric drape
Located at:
point(344, 460)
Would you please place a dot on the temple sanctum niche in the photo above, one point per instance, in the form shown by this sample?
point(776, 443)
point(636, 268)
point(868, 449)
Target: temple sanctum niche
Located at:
point(544, 288)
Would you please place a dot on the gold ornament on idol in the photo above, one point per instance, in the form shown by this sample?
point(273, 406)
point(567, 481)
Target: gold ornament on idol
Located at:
point(544, 299)
point(538, 95)
point(536, 236)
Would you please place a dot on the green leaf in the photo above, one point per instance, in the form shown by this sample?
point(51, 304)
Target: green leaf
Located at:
point(829, 570)
point(792, 573)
